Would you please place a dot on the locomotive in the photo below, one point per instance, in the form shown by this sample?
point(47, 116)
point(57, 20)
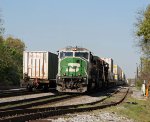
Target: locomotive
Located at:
point(80, 71)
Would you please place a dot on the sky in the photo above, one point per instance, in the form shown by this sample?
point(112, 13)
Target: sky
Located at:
point(106, 27)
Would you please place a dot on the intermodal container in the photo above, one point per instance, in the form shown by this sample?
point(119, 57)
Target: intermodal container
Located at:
point(117, 72)
point(40, 64)
point(110, 62)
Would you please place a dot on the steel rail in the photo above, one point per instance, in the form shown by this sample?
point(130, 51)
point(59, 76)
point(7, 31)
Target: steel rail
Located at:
point(28, 100)
point(40, 102)
point(45, 112)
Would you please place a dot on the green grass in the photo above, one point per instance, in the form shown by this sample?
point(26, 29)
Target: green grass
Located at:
point(140, 112)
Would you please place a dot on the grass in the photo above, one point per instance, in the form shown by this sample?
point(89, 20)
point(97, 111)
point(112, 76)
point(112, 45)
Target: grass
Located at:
point(138, 110)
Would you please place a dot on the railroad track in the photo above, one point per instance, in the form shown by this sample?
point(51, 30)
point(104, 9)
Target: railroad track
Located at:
point(32, 114)
point(8, 93)
point(11, 93)
point(32, 102)
point(17, 93)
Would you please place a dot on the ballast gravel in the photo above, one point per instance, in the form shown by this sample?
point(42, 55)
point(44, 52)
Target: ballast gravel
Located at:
point(92, 117)
point(23, 97)
point(80, 100)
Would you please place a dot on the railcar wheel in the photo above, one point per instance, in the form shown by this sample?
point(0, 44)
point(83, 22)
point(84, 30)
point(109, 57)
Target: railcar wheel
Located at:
point(45, 87)
point(29, 88)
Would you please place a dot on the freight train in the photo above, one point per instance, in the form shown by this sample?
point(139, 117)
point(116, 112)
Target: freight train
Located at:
point(80, 71)
point(74, 69)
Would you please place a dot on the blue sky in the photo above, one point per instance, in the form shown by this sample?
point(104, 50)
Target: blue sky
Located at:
point(106, 27)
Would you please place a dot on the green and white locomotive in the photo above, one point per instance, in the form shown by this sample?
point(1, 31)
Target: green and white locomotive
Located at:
point(80, 71)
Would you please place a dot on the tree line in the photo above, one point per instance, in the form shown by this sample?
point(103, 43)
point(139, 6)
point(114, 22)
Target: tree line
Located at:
point(11, 58)
point(143, 42)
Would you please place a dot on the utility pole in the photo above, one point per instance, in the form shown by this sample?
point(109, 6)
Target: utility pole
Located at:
point(141, 65)
point(135, 79)
point(137, 71)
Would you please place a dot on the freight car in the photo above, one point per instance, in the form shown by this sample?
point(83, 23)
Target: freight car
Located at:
point(110, 62)
point(110, 70)
point(39, 69)
point(119, 75)
point(80, 71)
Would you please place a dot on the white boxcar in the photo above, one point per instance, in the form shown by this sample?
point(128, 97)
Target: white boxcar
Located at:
point(110, 62)
point(39, 67)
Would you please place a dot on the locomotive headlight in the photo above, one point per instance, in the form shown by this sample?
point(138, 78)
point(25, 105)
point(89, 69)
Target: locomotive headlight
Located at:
point(64, 74)
point(79, 74)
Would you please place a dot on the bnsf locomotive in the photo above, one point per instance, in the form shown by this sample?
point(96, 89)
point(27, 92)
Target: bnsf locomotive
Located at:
point(80, 71)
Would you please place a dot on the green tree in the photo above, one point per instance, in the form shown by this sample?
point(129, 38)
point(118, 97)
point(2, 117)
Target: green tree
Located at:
point(143, 31)
point(143, 35)
point(11, 58)
point(1, 26)
point(16, 48)
point(145, 69)
point(11, 51)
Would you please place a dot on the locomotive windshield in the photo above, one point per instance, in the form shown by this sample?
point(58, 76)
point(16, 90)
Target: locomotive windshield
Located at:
point(66, 54)
point(81, 54)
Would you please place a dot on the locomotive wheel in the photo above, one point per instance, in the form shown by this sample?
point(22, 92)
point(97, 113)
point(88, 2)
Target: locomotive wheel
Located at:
point(89, 85)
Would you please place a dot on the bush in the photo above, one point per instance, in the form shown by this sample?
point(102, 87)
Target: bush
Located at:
point(11, 58)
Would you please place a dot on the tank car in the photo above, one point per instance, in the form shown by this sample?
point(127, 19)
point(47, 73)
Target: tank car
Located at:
point(80, 71)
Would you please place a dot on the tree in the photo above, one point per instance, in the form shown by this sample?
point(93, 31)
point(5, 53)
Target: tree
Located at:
point(11, 51)
point(143, 35)
point(143, 31)
point(145, 69)
point(11, 58)
point(16, 48)
point(1, 26)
